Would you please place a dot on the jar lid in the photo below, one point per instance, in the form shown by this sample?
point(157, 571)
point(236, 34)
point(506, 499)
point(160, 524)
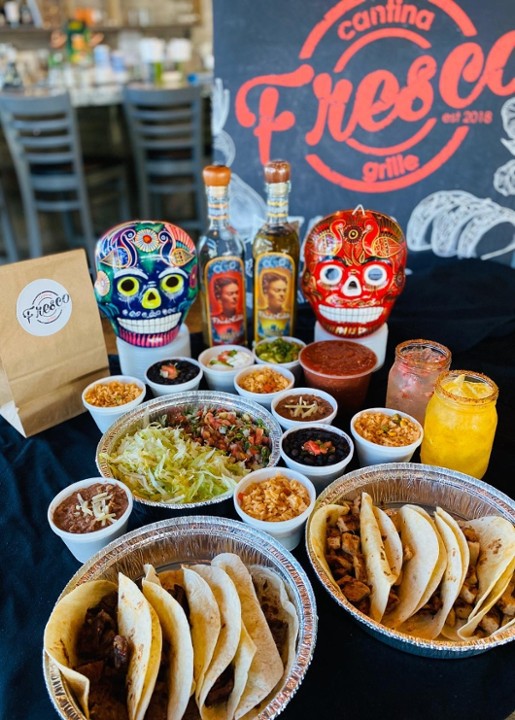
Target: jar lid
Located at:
point(216, 175)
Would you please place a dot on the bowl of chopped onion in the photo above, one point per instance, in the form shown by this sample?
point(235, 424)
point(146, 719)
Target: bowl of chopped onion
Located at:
point(189, 450)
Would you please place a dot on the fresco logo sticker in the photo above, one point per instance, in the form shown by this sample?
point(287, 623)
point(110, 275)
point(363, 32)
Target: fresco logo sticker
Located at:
point(43, 307)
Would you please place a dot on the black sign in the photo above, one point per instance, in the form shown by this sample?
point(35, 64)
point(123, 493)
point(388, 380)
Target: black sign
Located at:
point(407, 108)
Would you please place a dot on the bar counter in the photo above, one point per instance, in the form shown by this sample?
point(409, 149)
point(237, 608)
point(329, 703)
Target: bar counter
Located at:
point(469, 306)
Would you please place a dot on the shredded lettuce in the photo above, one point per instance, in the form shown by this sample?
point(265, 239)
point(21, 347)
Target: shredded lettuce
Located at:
point(164, 464)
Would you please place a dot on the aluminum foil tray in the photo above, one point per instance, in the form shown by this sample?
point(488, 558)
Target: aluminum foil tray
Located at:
point(186, 540)
point(153, 410)
point(392, 485)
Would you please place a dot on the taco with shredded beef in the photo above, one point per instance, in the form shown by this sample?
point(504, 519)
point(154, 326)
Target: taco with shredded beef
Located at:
point(225, 679)
point(266, 668)
point(195, 596)
point(174, 684)
point(106, 641)
point(279, 611)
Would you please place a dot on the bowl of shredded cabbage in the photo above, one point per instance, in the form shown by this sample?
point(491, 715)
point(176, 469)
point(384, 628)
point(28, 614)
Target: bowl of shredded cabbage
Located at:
point(190, 449)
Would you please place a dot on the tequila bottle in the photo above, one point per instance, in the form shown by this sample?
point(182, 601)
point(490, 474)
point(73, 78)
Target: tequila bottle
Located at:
point(222, 266)
point(275, 251)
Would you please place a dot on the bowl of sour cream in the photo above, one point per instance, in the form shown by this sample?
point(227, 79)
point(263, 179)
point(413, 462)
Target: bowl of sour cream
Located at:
point(221, 363)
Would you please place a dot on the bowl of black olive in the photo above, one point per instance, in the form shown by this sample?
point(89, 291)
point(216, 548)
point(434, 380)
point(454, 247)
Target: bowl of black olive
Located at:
point(321, 452)
point(174, 375)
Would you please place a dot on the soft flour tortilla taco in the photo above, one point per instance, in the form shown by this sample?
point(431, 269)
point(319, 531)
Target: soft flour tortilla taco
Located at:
point(62, 631)
point(428, 622)
point(266, 668)
point(441, 561)
point(227, 674)
point(380, 575)
point(279, 611)
point(139, 623)
point(203, 615)
point(422, 554)
point(323, 518)
point(358, 546)
point(175, 680)
point(494, 567)
point(106, 640)
point(391, 541)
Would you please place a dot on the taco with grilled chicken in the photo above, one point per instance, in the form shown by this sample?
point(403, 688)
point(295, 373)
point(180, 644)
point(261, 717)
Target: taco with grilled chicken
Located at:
point(360, 550)
point(106, 641)
point(429, 619)
point(485, 604)
point(422, 567)
point(266, 668)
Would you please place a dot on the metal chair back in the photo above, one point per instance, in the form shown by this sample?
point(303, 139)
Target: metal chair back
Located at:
point(43, 138)
point(167, 134)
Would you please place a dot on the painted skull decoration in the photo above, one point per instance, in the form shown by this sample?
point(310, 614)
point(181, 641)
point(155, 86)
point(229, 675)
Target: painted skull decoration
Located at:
point(354, 270)
point(146, 280)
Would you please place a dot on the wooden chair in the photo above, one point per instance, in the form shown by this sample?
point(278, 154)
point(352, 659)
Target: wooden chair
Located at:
point(43, 138)
point(167, 134)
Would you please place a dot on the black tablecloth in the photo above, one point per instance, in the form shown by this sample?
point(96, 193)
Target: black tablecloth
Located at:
point(468, 305)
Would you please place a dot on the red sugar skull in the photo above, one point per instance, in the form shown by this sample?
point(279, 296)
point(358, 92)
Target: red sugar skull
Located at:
point(354, 270)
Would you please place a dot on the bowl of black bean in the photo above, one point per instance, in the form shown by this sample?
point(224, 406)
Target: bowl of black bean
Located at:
point(321, 452)
point(173, 375)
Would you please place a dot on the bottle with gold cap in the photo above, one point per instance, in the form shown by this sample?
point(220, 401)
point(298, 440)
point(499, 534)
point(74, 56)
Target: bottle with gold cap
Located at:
point(222, 266)
point(276, 250)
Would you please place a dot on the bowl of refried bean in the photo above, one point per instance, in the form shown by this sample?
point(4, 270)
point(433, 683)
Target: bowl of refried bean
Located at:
point(89, 514)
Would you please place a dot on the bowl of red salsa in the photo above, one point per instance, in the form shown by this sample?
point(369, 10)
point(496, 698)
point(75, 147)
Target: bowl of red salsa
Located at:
point(340, 367)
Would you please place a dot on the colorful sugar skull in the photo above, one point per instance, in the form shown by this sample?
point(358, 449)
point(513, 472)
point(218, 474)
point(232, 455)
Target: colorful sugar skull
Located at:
point(354, 270)
point(146, 280)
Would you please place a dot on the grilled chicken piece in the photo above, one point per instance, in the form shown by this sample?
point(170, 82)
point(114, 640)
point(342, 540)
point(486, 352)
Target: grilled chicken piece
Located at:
point(360, 569)
point(350, 543)
point(468, 594)
point(462, 609)
point(354, 590)
point(491, 621)
point(334, 542)
point(507, 602)
point(339, 564)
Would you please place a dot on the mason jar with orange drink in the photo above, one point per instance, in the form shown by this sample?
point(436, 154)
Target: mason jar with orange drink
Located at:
point(460, 422)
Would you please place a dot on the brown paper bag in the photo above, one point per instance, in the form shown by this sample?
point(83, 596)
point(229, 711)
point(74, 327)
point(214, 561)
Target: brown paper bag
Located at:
point(51, 340)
